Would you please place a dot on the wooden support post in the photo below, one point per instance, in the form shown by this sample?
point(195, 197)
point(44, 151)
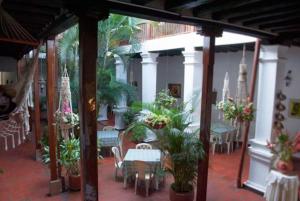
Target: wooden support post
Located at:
point(247, 123)
point(88, 29)
point(37, 114)
point(206, 101)
point(55, 183)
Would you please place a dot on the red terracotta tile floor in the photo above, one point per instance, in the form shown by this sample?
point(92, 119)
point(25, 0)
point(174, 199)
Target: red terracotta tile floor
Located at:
point(24, 179)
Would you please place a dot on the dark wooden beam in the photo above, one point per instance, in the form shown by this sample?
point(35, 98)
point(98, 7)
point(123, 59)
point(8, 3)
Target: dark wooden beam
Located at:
point(54, 183)
point(27, 8)
point(32, 18)
point(158, 15)
point(273, 18)
point(285, 27)
point(291, 31)
point(244, 7)
point(44, 3)
point(37, 114)
point(88, 29)
point(60, 24)
point(252, 13)
point(278, 23)
point(184, 4)
point(218, 8)
point(210, 33)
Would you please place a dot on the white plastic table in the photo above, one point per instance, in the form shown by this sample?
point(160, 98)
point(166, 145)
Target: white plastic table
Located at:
point(108, 138)
point(281, 187)
point(150, 156)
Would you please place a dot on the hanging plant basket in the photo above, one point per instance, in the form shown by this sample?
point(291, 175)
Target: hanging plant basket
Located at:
point(155, 125)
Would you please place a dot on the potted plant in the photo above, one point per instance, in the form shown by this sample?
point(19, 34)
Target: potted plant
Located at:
point(70, 157)
point(234, 111)
point(283, 149)
point(157, 121)
point(182, 154)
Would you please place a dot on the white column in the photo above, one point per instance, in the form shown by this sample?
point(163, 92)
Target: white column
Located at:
point(193, 69)
point(149, 76)
point(270, 81)
point(121, 108)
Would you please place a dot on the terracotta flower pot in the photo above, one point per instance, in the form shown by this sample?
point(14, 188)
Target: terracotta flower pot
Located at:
point(74, 183)
point(175, 196)
point(284, 167)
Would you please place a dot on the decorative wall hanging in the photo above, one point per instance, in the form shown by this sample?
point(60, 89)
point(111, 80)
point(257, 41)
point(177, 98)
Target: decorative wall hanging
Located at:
point(294, 108)
point(288, 78)
point(280, 107)
point(65, 117)
point(175, 90)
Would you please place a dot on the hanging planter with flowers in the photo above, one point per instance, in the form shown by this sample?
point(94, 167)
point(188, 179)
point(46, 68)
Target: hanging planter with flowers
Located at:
point(234, 111)
point(157, 121)
point(65, 118)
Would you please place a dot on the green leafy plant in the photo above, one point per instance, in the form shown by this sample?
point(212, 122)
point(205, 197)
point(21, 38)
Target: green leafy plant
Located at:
point(234, 111)
point(183, 152)
point(112, 32)
point(283, 147)
point(45, 152)
point(129, 116)
point(164, 99)
point(70, 155)
point(109, 90)
point(138, 133)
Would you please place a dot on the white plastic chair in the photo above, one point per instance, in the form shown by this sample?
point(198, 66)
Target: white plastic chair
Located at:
point(143, 146)
point(143, 173)
point(229, 141)
point(213, 142)
point(121, 143)
point(118, 160)
point(108, 128)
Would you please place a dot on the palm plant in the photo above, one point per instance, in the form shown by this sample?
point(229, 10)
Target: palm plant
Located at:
point(111, 33)
point(183, 151)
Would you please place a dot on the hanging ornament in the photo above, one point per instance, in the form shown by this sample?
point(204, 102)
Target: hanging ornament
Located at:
point(64, 115)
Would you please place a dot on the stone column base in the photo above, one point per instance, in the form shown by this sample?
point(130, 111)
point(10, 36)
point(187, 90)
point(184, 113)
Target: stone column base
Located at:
point(55, 187)
point(260, 164)
point(119, 118)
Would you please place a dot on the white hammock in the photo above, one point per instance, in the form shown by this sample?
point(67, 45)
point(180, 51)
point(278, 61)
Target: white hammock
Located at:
point(16, 127)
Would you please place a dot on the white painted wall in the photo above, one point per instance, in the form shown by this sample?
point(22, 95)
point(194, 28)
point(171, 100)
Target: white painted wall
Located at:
point(170, 70)
point(292, 92)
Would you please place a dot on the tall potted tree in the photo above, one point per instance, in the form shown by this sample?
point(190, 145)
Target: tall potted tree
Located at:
point(182, 154)
point(70, 157)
